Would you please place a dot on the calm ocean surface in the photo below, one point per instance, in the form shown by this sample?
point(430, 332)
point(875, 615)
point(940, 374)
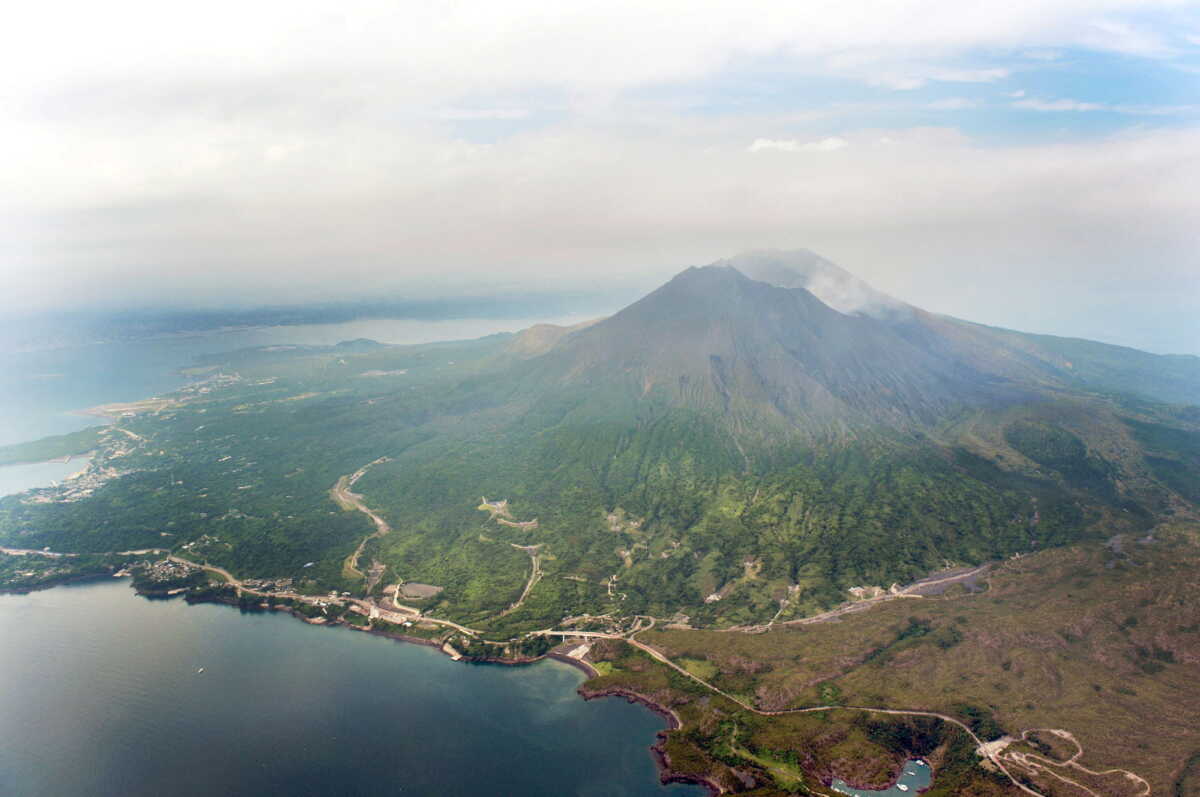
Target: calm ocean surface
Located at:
point(100, 695)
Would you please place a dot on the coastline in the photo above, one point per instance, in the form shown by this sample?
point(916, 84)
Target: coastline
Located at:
point(667, 775)
point(657, 749)
point(587, 669)
point(59, 582)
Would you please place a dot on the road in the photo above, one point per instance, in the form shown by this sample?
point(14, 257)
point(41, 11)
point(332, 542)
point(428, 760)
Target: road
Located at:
point(365, 605)
point(910, 591)
point(1037, 763)
point(134, 435)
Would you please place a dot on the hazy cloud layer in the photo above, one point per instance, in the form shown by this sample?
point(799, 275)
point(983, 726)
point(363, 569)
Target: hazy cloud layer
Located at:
point(278, 152)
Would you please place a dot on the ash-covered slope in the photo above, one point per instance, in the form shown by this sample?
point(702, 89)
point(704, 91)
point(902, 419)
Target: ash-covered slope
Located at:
point(712, 339)
point(1042, 360)
point(791, 336)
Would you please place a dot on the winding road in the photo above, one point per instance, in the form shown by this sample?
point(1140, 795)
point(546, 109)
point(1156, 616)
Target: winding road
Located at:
point(1036, 763)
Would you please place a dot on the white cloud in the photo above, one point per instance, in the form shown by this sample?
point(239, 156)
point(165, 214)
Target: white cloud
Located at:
point(898, 82)
point(1035, 104)
point(830, 144)
point(1121, 36)
point(970, 75)
point(480, 114)
point(155, 149)
point(915, 77)
point(431, 48)
point(1066, 104)
point(953, 104)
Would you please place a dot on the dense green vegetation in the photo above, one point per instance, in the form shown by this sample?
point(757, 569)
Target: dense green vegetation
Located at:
point(1059, 450)
point(28, 572)
point(1173, 455)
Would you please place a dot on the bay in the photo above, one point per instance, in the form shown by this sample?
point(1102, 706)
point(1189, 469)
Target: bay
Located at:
point(915, 778)
point(101, 694)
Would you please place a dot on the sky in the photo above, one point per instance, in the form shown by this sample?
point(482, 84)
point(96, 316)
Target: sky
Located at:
point(1034, 165)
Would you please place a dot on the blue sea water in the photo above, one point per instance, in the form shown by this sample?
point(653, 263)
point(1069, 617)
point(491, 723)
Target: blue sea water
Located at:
point(101, 693)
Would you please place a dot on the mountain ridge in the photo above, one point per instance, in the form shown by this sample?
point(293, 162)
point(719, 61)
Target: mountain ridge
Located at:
point(989, 354)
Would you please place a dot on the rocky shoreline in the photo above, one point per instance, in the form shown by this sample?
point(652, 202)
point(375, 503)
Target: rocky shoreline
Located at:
point(663, 761)
point(56, 582)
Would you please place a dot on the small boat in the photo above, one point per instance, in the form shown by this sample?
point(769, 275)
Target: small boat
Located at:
point(921, 764)
point(901, 787)
point(199, 671)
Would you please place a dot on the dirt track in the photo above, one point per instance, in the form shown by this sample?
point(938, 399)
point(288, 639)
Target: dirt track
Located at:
point(535, 575)
point(347, 499)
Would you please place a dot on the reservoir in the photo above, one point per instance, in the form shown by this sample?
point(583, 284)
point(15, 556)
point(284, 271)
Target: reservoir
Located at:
point(101, 693)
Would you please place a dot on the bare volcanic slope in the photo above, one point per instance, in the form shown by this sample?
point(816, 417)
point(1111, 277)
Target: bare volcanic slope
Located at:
point(805, 346)
point(1046, 360)
point(714, 340)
